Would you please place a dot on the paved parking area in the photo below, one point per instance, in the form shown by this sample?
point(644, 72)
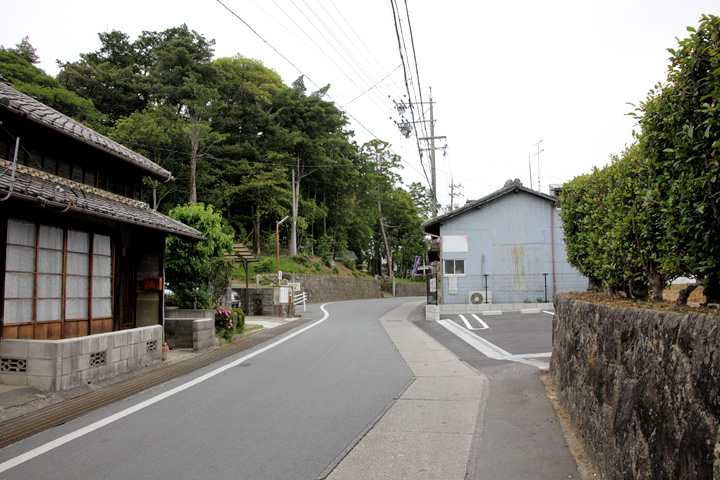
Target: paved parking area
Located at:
point(485, 340)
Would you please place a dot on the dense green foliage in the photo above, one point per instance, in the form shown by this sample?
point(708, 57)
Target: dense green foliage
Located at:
point(192, 269)
point(233, 135)
point(32, 81)
point(654, 213)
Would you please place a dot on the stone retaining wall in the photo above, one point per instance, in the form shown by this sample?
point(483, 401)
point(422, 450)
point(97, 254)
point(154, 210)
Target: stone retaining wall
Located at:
point(63, 364)
point(403, 289)
point(642, 387)
point(321, 289)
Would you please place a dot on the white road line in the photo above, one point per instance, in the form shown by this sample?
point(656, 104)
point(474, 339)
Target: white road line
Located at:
point(14, 462)
point(532, 355)
point(489, 349)
point(549, 313)
point(481, 322)
point(469, 327)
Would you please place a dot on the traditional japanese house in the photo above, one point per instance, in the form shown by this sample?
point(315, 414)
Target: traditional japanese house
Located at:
point(80, 253)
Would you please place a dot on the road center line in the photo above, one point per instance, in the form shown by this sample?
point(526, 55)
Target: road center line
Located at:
point(14, 462)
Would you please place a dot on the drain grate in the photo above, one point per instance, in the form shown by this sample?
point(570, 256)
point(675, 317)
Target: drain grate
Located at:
point(16, 429)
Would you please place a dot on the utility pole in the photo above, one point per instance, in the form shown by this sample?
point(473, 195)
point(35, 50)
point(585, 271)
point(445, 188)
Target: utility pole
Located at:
point(432, 138)
point(453, 185)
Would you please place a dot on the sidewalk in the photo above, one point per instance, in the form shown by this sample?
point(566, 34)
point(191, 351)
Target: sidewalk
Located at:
point(432, 430)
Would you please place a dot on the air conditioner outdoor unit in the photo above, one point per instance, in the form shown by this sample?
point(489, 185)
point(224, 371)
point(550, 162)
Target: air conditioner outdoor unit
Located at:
point(477, 298)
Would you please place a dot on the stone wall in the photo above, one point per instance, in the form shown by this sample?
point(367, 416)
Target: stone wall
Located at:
point(321, 289)
point(403, 289)
point(642, 387)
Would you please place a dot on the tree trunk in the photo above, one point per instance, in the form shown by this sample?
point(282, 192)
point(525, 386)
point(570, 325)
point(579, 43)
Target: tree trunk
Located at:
point(292, 246)
point(154, 184)
point(657, 282)
point(194, 136)
point(256, 228)
point(712, 288)
point(385, 241)
point(684, 295)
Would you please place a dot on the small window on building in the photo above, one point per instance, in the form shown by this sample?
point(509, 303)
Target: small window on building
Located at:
point(455, 267)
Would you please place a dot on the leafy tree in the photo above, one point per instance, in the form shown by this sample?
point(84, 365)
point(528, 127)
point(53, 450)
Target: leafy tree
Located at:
point(421, 198)
point(157, 133)
point(115, 77)
point(32, 81)
point(308, 135)
point(680, 140)
point(24, 50)
point(190, 268)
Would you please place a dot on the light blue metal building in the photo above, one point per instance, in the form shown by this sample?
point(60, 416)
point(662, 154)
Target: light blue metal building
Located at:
point(506, 248)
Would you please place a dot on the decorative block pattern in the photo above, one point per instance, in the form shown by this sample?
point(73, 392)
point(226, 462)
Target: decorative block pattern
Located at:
point(16, 365)
point(63, 364)
point(98, 358)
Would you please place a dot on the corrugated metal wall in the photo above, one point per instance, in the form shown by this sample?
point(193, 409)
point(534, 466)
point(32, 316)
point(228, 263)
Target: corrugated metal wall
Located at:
point(510, 251)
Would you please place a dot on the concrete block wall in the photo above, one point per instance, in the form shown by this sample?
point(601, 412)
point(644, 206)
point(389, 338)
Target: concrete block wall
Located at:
point(57, 365)
point(433, 313)
point(203, 334)
point(186, 328)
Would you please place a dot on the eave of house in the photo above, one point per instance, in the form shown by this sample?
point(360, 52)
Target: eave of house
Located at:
point(33, 110)
point(40, 188)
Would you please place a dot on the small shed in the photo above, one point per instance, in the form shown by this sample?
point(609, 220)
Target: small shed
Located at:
point(506, 247)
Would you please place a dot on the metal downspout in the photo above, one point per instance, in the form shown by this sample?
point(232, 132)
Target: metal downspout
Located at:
point(552, 241)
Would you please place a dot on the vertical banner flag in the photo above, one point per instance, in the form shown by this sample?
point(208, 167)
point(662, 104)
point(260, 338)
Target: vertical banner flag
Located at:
point(417, 264)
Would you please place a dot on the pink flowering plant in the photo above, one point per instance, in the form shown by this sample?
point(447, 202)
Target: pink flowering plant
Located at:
point(229, 323)
point(223, 319)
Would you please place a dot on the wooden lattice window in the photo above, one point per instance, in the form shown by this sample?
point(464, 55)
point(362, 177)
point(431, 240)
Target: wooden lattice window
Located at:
point(56, 274)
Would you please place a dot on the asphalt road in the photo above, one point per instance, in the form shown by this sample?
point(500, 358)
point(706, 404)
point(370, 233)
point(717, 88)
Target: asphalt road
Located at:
point(521, 436)
point(285, 413)
point(289, 408)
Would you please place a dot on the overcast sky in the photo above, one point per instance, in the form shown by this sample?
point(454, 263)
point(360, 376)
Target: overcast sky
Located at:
point(504, 75)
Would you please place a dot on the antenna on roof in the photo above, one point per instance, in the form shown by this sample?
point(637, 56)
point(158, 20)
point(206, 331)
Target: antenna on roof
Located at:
point(538, 155)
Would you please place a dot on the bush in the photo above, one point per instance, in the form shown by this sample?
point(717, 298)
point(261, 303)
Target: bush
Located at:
point(349, 263)
point(302, 258)
point(229, 323)
point(224, 324)
point(239, 317)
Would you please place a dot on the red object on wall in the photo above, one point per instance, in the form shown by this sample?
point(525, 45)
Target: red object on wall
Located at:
point(153, 283)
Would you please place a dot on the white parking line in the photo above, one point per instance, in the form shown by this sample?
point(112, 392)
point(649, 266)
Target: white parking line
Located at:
point(491, 350)
point(469, 327)
point(549, 313)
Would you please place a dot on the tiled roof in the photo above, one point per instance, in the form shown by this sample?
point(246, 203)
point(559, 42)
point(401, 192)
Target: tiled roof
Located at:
point(22, 104)
point(34, 185)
